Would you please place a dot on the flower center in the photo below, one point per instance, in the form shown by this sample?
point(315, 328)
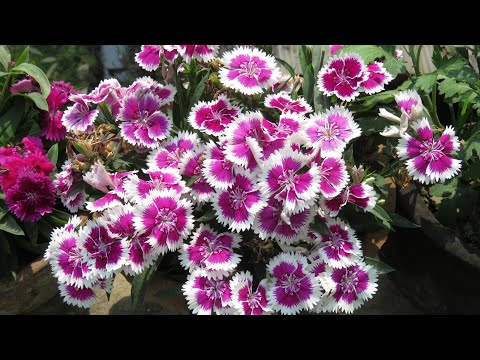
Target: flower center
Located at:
point(214, 290)
point(328, 131)
point(349, 282)
point(31, 196)
point(336, 240)
point(249, 68)
point(141, 115)
point(253, 300)
point(237, 198)
point(290, 283)
point(433, 150)
point(166, 219)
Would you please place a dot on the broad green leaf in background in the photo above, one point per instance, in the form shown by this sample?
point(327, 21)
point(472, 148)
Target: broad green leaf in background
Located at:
point(32, 231)
point(379, 266)
point(371, 52)
point(471, 145)
point(39, 100)
point(382, 216)
point(52, 154)
point(287, 66)
point(139, 285)
point(24, 56)
point(36, 73)
point(372, 124)
point(5, 57)
point(8, 224)
point(10, 121)
point(209, 215)
point(426, 82)
point(400, 221)
point(199, 90)
point(305, 58)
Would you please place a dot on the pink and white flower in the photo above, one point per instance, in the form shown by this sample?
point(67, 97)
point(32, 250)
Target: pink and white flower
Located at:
point(340, 247)
point(342, 76)
point(102, 92)
point(335, 48)
point(205, 295)
point(249, 141)
point(201, 190)
point(142, 122)
point(236, 207)
point(430, 160)
point(244, 299)
point(363, 195)
point(377, 79)
point(217, 170)
point(173, 151)
point(272, 222)
point(64, 182)
point(165, 218)
point(106, 252)
point(332, 131)
point(248, 71)
point(119, 221)
point(79, 117)
point(199, 52)
point(80, 296)
point(211, 252)
point(289, 126)
point(212, 117)
point(410, 104)
point(150, 56)
point(293, 287)
point(285, 103)
point(350, 286)
point(281, 178)
point(166, 93)
point(141, 254)
point(333, 177)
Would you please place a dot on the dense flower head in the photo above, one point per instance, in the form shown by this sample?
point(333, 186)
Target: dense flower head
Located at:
point(137, 189)
point(248, 71)
point(65, 182)
point(201, 190)
point(198, 52)
point(429, 160)
point(363, 195)
point(410, 103)
point(25, 85)
point(79, 116)
point(217, 170)
point(282, 101)
point(244, 299)
point(378, 77)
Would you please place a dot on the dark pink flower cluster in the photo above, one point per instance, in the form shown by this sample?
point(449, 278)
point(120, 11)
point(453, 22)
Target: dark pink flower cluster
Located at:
point(24, 178)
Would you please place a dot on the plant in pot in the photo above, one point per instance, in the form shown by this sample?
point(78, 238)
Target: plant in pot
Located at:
point(30, 113)
point(235, 178)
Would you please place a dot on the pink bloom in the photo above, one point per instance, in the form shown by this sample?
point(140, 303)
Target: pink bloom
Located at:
point(217, 170)
point(282, 179)
point(249, 141)
point(212, 117)
point(429, 160)
point(79, 117)
point(248, 71)
point(173, 151)
point(377, 79)
point(205, 295)
point(25, 85)
point(335, 48)
point(294, 288)
point(332, 131)
point(285, 103)
point(244, 299)
point(165, 218)
point(236, 207)
point(32, 196)
point(363, 195)
point(333, 177)
point(98, 178)
point(149, 57)
point(102, 92)
point(211, 252)
point(64, 182)
point(80, 296)
point(119, 221)
point(342, 76)
point(141, 254)
point(340, 247)
point(199, 52)
point(200, 190)
point(272, 222)
point(166, 93)
point(106, 251)
point(350, 286)
point(142, 121)
point(410, 104)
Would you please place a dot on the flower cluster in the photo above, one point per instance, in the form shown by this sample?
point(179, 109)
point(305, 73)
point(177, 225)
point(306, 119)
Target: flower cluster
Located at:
point(24, 177)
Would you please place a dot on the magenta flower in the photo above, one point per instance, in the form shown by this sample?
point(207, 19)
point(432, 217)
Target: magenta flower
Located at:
point(201, 190)
point(212, 117)
point(119, 221)
point(288, 127)
point(363, 195)
point(410, 104)
point(281, 178)
point(211, 252)
point(25, 85)
point(249, 141)
point(102, 92)
point(142, 121)
point(79, 117)
point(106, 251)
point(335, 48)
point(217, 170)
point(141, 254)
point(199, 52)
point(285, 103)
point(430, 160)
point(272, 222)
point(293, 287)
point(248, 71)
point(64, 182)
point(350, 286)
point(80, 296)
point(149, 57)
point(244, 299)
point(166, 93)
point(206, 296)
point(32, 196)
point(236, 207)
point(333, 177)
point(173, 151)
point(340, 247)
point(331, 131)
point(342, 76)
point(165, 218)
point(377, 79)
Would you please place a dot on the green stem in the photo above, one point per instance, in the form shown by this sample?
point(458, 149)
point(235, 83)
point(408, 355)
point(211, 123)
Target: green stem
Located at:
point(417, 60)
point(433, 111)
point(411, 53)
point(2, 96)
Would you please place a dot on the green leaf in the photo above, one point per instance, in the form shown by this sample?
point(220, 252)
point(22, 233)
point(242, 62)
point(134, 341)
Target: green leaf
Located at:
point(287, 66)
point(372, 124)
point(3, 209)
point(305, 58)
point(371, 52)
point(319, 227)
point(24, 56)
point(471, 145)
point(139, 285)
point(317, 57)
point(5, 56)
point(104, 109)
point(10, 121)
point(35, 129)
point(473, 171)
point(450, 87)
point(426, 82)
point(38, 99)
point(57, 217)
point(37, 74)
point(76, 188)
point(32, 231)
point(382, 216)
point(379, 266)
point(446, 189)
point(52, 154)
point(2, 74)
point(380, 183)
point(192, 180)
point(400, 221)
point(384, 97)
point(8, 224)
point(45, 229)
point(199, 90)
point(209, 215)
